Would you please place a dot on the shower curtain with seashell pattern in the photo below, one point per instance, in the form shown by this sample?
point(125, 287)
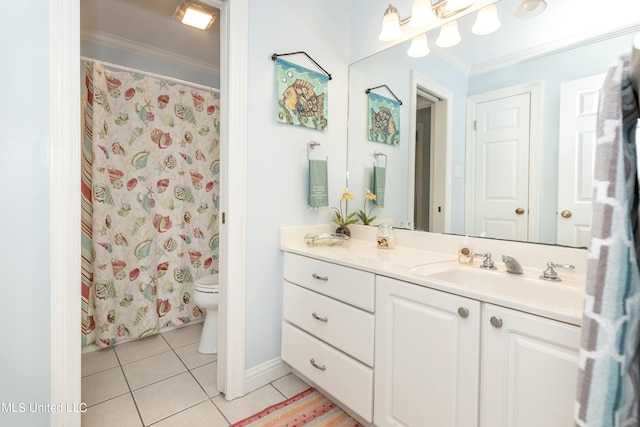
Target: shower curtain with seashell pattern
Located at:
point(150, 201)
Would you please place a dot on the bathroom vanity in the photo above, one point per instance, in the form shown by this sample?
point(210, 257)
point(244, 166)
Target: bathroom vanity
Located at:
point(409, 337)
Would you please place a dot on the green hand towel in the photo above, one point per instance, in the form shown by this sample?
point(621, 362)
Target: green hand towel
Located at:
point(318, 184)
point(379, 178)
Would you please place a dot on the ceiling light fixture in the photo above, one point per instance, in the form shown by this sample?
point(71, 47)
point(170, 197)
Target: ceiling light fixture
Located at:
point(529, 8)
point(428, 15)
point(196, 15)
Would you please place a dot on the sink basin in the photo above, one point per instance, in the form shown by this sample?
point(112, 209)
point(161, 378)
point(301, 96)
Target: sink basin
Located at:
point(504, 285)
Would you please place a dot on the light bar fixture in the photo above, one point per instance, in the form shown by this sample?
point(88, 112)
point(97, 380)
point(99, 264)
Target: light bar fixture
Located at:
point(196, 15)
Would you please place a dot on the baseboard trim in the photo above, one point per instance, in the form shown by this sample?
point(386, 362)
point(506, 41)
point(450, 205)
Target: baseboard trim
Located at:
point(263, 374)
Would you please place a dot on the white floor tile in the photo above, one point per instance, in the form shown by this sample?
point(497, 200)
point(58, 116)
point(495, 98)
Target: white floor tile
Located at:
point(99, 360)
point(139, 349)
point(183, 336)
point(290, 385)
point(152, 369)
point(204, 414)
point(190, 356)
point(168, 397)
point(248, 405)
point(102, 386)
point(120, 412)
point(207, 376)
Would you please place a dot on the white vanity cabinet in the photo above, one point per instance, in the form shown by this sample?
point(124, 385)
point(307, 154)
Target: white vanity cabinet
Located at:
point(435, 351)
point(328, 329)
point(427, 357)
point(529, 370)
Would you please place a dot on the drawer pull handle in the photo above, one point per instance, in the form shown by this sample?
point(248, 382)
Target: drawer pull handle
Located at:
point(322, 319)
point(324, 278)
point(315, 365)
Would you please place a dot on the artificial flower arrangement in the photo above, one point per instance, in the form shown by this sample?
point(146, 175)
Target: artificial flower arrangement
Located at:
point(365, 216)
point(342, 217)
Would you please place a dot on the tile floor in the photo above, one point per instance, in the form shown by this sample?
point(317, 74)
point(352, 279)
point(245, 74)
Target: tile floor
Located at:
point(163, 381)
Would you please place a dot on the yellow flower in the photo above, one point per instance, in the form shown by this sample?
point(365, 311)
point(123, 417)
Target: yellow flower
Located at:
point(346, 195)
point(365, 217)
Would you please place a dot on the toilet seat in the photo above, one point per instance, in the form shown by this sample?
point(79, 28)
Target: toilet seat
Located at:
point(208, 289)
point(207, 284)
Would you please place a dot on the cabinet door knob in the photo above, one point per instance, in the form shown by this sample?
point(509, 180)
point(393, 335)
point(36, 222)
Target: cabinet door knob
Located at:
point(519, 211)
point(322, 319)
point(463, 312)
point(496, 321)
point(315, 365)
point(323, 278)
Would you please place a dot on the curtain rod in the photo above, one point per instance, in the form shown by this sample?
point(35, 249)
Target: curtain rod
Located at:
point(158, 76)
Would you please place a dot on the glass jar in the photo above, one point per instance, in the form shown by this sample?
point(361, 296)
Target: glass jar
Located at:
point(385, 238)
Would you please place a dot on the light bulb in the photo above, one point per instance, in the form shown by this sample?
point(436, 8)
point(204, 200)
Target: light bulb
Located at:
point(419, 47)
point(487, 20)
point(449, 35)
point(421, 14)
point(390, 25)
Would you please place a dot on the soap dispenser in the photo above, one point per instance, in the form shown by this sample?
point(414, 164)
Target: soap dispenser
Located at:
point(385, 238)
point(465, 252)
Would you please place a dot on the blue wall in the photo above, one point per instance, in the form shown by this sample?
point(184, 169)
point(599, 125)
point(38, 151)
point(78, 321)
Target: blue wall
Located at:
point(24, 173)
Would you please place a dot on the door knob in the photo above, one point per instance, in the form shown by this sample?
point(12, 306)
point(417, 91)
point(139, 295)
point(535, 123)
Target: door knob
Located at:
point(566, 214)
point(463, 312)
point(520, 211)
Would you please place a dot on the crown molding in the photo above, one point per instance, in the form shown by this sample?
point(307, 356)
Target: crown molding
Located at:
point(553, 48)
point(141, 49)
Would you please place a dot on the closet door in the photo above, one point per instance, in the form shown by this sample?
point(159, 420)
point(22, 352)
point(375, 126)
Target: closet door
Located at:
point(577, 144)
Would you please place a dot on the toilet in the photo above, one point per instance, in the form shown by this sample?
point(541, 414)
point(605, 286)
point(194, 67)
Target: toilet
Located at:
point(205, 296)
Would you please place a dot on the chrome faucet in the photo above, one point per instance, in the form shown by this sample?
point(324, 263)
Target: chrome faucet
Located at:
point(512, 264)
point(487, 263)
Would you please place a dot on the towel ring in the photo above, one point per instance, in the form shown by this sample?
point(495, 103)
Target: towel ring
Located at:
point(310, 146)
point(377, 154)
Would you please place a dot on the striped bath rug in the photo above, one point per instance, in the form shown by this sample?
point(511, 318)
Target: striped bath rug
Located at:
point(309, 408)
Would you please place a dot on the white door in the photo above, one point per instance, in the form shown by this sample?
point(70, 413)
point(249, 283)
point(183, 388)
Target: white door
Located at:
point(501, 179)
point(529, 370)
point(577, 143)
point(427, 349)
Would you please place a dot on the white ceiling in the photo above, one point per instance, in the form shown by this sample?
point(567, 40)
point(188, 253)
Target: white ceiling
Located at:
point(147, 27)
point(562, 24)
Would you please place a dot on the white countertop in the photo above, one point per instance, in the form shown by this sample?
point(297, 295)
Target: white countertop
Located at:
point(555, 300)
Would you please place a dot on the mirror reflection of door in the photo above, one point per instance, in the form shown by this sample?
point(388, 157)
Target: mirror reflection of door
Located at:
point(430, 154)
point(500, 161)
point(577, 144)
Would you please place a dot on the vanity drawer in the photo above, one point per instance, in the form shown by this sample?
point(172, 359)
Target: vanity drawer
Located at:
point(352, 286)
point(346, 379)
point(345, 327)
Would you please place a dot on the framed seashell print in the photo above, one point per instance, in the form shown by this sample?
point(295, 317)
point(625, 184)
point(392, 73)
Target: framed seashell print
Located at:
point(384, 119)
point(303, 97)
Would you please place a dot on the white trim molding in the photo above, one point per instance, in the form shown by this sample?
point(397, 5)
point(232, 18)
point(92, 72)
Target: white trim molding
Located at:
point(64, 214)
point(265, 373)
point(233, 169)
point(141, 49)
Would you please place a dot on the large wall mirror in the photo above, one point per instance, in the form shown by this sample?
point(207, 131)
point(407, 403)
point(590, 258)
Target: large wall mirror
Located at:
point(500, 146)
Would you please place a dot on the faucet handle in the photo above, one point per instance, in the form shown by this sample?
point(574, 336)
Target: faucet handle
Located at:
point(551, 274)
point(487, 262)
